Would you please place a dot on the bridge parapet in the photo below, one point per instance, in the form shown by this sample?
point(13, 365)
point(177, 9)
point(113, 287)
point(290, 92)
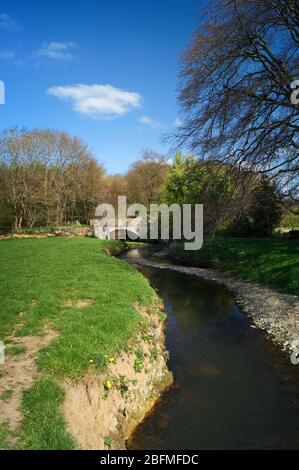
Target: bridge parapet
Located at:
point(112, 228)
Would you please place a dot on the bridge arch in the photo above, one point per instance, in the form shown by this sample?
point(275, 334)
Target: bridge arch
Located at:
point(123, 234)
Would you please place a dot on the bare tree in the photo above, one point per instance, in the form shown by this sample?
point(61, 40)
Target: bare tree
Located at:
point(48, 177)
point(146, 177)
point(114, 186)
point(235, 88)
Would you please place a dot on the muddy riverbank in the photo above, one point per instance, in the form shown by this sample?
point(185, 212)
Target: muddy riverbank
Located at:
point(102, 411)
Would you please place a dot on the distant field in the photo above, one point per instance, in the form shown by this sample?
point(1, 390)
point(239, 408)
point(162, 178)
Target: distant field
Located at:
point(268, 261)
point(291, 219)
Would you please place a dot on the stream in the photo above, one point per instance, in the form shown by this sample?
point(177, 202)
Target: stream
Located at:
point(233, 389)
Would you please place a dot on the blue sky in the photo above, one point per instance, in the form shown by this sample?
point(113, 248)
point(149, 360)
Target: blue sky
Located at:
point(123, 54)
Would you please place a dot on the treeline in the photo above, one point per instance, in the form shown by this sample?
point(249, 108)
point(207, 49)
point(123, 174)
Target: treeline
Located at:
point(143, 183)
point(236, 202)
point(48, 178)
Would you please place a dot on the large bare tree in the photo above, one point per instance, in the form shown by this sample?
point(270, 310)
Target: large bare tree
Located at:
point(235, 87)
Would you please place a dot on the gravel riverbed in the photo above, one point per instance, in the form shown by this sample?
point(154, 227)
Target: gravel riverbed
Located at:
point(272, 311)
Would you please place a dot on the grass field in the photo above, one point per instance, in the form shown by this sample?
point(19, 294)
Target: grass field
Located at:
point(291, 219)
point(272, 262)
point(71, 286)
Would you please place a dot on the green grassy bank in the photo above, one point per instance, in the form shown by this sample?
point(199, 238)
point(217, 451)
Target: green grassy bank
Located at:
point(291, 219)
point(71, 286)
point(274, 262)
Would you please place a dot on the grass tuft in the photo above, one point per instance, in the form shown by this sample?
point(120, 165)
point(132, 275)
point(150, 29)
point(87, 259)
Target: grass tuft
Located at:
point(43, 427)
point(6, 395)
point(5, 435)
point(16, 350)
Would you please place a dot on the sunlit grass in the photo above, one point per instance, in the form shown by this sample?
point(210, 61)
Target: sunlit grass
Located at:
point(43, 427)
point(269, 261)
point(39, 277)
point(73, 287)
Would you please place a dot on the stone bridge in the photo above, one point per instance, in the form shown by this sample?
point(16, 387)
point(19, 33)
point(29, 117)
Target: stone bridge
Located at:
point(116, 229)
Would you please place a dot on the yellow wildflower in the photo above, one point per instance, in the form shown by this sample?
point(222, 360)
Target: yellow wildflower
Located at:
point(108, 384)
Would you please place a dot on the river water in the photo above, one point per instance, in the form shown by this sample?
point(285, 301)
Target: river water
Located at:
point(233, 389)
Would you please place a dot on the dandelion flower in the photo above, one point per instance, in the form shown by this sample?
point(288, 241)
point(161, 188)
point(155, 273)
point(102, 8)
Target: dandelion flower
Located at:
point(108, 384)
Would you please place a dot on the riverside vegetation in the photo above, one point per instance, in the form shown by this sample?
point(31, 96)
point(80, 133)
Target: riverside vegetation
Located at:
point(274, 262)
point(88, 299)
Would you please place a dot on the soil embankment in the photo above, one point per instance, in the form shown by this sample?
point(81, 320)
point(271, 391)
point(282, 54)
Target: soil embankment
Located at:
point(103, 410)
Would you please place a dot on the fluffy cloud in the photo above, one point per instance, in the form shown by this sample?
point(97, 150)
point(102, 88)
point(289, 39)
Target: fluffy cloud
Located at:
point(148, 121)
point(7, 54)
point(8, 23)
point(57, 50)
point(99, 101)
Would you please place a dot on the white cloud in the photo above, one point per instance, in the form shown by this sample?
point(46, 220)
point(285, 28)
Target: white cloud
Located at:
point(99, 101)
point(148, 121)
point(7, 54)
point(57, 50)
point(8, 23)
point(178, 122)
